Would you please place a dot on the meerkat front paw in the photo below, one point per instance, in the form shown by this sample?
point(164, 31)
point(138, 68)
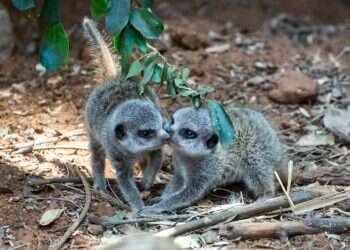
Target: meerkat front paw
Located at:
point(151, 210)
point(154, 201)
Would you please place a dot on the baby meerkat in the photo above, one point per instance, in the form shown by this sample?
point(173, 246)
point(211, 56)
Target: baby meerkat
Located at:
point(201, 163)
point(122, 125)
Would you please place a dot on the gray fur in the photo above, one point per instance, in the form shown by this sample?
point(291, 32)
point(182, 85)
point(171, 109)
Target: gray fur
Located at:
point(115, 114)
point(251, 158)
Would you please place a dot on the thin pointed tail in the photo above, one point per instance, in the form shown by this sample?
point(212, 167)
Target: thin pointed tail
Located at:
point(106, 62)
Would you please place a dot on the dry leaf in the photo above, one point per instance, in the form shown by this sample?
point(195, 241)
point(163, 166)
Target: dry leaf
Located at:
point(50, 216)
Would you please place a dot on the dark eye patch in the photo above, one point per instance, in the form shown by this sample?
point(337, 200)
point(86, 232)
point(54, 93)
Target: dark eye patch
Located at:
point(119, 131)
point(188, 133)
point(146, 133)
point(212, 141)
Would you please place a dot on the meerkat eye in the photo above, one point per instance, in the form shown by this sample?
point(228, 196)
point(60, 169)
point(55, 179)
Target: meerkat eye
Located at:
point(212, 141)
point(146, 133)
point(188, 133)
point(119, 131)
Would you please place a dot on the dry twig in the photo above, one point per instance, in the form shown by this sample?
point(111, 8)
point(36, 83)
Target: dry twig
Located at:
point(236, 213)
point(57, 245)
point(109, 223)
point(115, 201)
point(285, 229)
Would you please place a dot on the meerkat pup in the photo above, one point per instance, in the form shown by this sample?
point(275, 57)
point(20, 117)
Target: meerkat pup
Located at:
point(201, 163)
point(122, 125)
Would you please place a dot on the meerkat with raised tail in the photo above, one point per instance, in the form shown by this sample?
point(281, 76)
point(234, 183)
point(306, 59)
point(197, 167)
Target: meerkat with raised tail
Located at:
point(201, 163)
point(122, 125)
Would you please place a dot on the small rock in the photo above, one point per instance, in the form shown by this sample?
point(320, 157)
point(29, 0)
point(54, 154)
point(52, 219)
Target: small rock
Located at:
point(7, 38)
point(256, 80)
point(15, 199)
point(189, 241)
point(188, 39)
point(293, 87)
point(4, 132)
point(338, 122)
point(218, 48)
point(314, 139)
point(210, 237)
point(214, 36)
point(95, 229)
point(19, 88)
point(40, 68)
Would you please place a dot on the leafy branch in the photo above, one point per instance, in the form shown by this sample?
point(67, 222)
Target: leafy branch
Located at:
point(132, 24)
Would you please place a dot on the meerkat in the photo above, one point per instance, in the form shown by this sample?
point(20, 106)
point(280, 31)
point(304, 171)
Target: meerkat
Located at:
point(122, 125)
point(201, 163)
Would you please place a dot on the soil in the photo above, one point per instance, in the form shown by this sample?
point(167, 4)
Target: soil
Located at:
point(36, 106)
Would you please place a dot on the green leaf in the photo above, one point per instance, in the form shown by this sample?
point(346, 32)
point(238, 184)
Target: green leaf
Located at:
point(147, 76)
point(146, 23)
point(172, 90)
point(179, 82)
point(125, 61)
point(50, 12)
point(98, 8)
point(164, 73)
point(129, 39)
point(116, 41)
point(135, 68)
point(188, 92)
point(141, 42)
point(196, 101)
point(23, 4)
point(157, 75)
point(205, 90)
point(170, 82)
point(221, 122)
point(117, 15)
point(185, 73)
point(146, 3)
point(54, 47)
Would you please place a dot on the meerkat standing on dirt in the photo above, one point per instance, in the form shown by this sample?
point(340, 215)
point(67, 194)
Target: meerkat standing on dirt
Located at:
point(122, 125)
point(201, 163)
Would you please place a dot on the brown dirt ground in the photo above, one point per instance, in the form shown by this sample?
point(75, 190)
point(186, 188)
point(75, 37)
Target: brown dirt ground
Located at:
point(52, 104)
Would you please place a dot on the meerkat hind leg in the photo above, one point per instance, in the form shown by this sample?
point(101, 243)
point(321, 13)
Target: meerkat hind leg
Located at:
point(261, 185)
point(127, 185)
point(98, 165)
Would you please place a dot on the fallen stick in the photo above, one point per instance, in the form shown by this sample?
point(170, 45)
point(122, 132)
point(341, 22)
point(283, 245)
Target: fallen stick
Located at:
point(76, 180)
point(58, 245)
point(285, 229)
point(237, 213)
point(109, 223)
point(61, 180)
point(115, 201)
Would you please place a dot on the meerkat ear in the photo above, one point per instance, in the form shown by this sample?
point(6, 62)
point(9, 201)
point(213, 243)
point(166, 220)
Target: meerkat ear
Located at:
point(120, 131)
point(212, 141)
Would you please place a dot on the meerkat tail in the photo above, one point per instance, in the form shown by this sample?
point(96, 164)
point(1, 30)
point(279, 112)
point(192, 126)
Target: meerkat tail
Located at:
point(100, 50)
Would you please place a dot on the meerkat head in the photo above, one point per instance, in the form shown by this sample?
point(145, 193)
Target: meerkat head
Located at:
point(191, 132)
point(137, 126)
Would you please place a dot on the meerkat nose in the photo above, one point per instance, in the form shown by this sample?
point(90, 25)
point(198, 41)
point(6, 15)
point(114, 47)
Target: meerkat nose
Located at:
point(168, 130)
point(164, 134)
